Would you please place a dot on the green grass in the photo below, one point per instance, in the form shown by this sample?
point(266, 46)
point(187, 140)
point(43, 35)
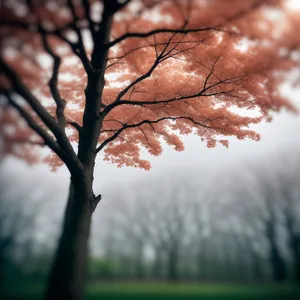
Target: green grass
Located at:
point(189, 291)
point(160, 291)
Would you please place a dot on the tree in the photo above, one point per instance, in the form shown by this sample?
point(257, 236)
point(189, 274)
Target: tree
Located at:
point(291, 198)
point(115, 76)
point(260, 212)
point(17, 224)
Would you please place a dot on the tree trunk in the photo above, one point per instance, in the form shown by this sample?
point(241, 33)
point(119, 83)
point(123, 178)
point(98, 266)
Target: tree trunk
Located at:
point(140, 271)
point(294, 240)
point(201, 261)
point(158, 264)
point(277, 261)
point(173, 265)
point(295, 250)
point(257, 272)
point(68, 270)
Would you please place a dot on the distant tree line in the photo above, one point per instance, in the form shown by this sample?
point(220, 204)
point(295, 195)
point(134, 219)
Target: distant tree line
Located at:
point(235, 226)
point(25, 250)
point(240, 225)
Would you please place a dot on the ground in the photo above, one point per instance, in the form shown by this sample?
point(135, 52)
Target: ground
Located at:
point(160, 291)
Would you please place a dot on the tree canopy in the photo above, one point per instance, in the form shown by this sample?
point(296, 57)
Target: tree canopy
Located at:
point(164, 69)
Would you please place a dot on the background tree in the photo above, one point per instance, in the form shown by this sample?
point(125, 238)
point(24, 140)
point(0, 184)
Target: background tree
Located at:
point(260, 210)
point(18, 222)
point(289, 182)
point(116, 76)
point(223, 231)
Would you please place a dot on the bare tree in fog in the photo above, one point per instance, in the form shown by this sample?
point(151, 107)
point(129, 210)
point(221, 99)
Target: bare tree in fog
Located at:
point(17, 223)
point(289, 183)
point(259, 199)
point(199, 230)
point(271, 193)
point(174, 225)
point(240, 227)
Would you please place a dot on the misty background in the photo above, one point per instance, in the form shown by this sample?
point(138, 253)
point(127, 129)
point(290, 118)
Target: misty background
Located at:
point(202, 214)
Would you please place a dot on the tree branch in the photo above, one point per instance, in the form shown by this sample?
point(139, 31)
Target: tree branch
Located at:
point(126, 126)
point(163, 30)
point(44, 115)
point(87, 11)
point(80, 49)
point(113, 5)
point(60, 102)
point(76, 126)
point(160, 57)
point(167, 101)
point(49, 141)
point(217, 28)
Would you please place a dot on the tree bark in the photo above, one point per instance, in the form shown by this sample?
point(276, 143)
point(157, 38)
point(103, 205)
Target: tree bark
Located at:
point(69, 266)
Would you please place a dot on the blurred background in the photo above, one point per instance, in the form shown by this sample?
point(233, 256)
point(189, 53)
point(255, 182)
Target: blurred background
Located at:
point(205, 219)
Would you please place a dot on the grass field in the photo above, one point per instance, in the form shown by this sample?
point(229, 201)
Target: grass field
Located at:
point(160, 291)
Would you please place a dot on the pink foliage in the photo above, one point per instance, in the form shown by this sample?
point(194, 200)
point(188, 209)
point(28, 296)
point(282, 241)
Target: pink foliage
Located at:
point(200, 80)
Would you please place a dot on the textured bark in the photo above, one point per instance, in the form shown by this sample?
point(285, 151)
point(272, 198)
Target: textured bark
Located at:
point(68, 271)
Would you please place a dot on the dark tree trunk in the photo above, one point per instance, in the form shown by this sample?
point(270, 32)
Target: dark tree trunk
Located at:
point(257, 272)
point(139, 264)
point(278, 266)
point(68, 270)
point(294, 238)
point(173, 265)
point(296, 252)
point(277, 261)
point(294, 243)
point(158, 264)
point(201, 261)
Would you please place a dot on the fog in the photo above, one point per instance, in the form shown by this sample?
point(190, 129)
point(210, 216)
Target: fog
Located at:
point(201, 214)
